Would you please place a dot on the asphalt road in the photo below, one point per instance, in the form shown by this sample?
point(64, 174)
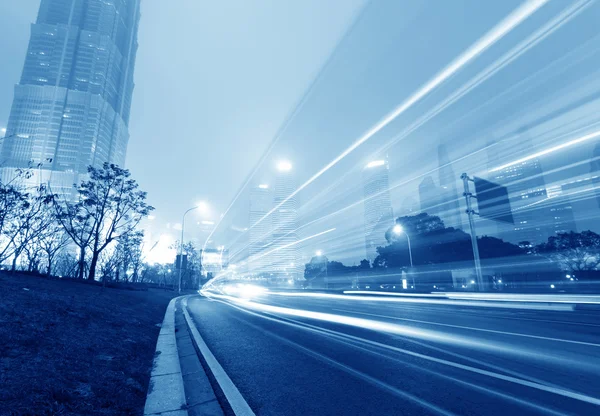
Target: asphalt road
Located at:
point(331, 356)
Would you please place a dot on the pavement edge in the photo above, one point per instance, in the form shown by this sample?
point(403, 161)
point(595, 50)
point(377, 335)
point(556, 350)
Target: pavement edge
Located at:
point(166, 394)
point(236, 401)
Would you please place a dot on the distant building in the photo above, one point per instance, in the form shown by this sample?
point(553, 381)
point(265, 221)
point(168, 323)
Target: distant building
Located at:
point(534, 220)
point(260, 232)
point(561, 209)
point(71, 107)
point(283, 257)
point(379, 216)
point(409, 206)
point(449, 196)
point(429, 197)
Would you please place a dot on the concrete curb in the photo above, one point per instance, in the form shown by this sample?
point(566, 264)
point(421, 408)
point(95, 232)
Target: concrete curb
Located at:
point(236, 401)
point(166, 395)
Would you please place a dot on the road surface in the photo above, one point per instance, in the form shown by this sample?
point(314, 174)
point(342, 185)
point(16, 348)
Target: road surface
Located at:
point(322, 355)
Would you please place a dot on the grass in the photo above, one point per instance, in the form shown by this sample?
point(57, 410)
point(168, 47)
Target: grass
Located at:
point(68, 348)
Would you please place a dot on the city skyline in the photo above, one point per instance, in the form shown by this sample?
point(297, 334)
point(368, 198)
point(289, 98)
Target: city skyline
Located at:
point(317, 134)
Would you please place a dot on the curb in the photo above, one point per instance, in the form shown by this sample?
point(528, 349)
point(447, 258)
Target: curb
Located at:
point(166, 395)
point(236, 401)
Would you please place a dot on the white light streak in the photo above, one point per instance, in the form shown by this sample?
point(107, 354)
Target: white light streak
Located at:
point(375, 163)
point(489, 39)
point(570, 143)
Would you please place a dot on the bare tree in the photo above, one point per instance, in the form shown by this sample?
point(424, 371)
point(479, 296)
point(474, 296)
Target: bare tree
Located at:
point(51, 242)
point(110, 206)
point(28, 223)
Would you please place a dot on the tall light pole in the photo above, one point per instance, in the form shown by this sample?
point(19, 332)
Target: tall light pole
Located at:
point(319, 253)
point(201, 205)
point(399, 230)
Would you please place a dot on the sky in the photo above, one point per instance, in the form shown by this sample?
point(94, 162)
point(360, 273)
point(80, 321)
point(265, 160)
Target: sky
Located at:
point(215, 81)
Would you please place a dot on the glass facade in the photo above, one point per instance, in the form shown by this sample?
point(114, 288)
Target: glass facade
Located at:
point(72, 105)
point(377, 205)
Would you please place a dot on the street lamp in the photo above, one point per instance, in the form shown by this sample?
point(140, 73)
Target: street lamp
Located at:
point(399, 230)
point(319, 253)
point(204, 208)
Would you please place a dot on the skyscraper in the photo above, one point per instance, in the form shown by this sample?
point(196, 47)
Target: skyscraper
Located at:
point(260, 232)
point(450, 208)
point(284, 259)
point(429, 196)
point(71, 107)
point(377, 204)
point(527, 193)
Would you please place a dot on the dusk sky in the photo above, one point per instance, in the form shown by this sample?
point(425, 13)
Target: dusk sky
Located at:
point(215, 80)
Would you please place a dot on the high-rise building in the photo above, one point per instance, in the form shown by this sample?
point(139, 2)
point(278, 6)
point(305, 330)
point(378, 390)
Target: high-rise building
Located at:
point(450, 205)
point(429, 196)
point(283, 257)
point(409, 206)
point(72, 105)
point(260, 230)
point(561, 209)
point(379, 216)
point(526, 186)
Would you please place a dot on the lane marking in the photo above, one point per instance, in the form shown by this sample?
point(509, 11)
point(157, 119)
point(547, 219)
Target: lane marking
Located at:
point(237, 402)
point(590, 344)
point(549, 389)
point(356, 373)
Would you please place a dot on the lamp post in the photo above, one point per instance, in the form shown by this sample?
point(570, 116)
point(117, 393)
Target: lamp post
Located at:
point(202, 206)
point(399, 230)
point(319, 253)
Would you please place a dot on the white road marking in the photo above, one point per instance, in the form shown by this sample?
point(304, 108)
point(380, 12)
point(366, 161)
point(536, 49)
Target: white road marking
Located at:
point(237, 402)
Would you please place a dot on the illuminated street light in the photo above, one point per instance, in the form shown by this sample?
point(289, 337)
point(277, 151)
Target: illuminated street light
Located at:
point(203, 207)
point(263, 186)
point(319, 253)
point(399, 230)
point(284, 166)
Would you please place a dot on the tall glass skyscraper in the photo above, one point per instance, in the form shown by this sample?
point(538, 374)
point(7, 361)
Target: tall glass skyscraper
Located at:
point(260, 230)
point(379, 215)
point(71, 107)
point(284, 259)
point(450, 209)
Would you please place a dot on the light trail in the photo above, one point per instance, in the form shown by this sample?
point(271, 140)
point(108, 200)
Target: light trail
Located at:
point(420, 333)
point(553, 149)
point(489, 39)
point(367, 346)
point(524, 46)
point(470, 328)
point(293, 113)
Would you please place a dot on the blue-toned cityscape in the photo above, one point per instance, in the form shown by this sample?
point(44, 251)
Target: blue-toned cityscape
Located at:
point(292, 208)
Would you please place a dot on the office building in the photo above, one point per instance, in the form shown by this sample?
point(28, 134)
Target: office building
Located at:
point(283, 252)
point(72, 105)
point(429, 197)
point(260, 229)
point(449, 197)
point(534, 220)
point(379, 216)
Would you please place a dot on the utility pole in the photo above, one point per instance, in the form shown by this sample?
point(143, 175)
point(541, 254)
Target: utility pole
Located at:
point(471, 214)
